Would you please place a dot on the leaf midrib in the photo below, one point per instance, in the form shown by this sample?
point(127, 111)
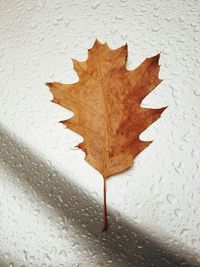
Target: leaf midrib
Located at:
point(105, 151)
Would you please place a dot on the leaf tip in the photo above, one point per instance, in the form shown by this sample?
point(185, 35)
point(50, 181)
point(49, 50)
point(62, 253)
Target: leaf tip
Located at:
point(62, 121)
point(163, 109)
point(156, 58)
point(53, 101)
point(148, 143)
point(49, 84)
point(96, 43)
point(74, 62)
point(81, 146)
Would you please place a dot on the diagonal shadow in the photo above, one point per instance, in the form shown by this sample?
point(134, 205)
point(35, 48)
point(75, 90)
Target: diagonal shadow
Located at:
point(131, 245)
point(4, 263)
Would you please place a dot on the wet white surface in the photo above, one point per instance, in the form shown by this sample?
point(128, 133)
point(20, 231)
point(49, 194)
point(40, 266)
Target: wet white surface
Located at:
point(50, 198)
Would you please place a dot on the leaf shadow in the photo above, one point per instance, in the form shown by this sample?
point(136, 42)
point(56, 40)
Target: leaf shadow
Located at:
point(125, 244)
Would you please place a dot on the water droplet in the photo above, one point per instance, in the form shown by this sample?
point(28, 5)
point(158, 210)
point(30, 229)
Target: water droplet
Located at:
point(181, 19)
point(184, 231)
point(155, 28)
point(95, 5)
point(119, 17)
point(170, 198)
point(63, 253)
point(178, 212)
point(7, 255)
point(67, 23)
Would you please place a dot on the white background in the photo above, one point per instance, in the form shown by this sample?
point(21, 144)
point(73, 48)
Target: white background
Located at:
point(160, 194)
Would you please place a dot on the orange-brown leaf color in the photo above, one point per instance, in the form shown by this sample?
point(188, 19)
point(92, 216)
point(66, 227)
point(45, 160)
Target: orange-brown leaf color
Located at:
point(106, 105)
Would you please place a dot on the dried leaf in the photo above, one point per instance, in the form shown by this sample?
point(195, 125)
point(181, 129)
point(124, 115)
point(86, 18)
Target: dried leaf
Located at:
point(106, 105)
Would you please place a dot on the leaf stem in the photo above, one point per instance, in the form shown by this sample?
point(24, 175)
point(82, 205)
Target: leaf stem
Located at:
point(105, 221)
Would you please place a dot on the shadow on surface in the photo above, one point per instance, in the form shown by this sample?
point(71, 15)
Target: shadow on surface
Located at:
point(131, 245)
point(4, 264)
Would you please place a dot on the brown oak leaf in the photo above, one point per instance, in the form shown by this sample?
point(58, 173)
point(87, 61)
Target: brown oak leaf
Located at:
point(106, 105)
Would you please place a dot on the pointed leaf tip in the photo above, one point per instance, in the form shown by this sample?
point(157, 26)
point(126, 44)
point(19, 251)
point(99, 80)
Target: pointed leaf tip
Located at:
point(156, 58)
point(62, 121)
point(163, 109)
point(97, 42)
point(49, 84)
